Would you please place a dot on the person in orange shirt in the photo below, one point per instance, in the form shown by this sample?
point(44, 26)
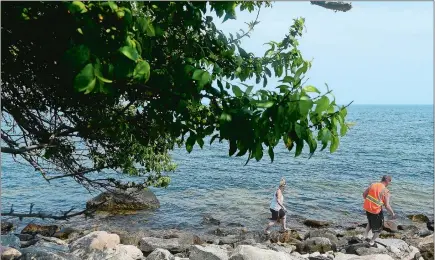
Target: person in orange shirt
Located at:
point(375, 197)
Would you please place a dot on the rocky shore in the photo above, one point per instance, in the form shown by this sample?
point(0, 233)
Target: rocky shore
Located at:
point(319, 240)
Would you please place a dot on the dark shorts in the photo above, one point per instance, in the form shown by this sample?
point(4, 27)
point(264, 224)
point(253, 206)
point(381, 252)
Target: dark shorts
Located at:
point(376, 221)
point(276, 214)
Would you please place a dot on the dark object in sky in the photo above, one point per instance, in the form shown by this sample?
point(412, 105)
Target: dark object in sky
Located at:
point(336, 6)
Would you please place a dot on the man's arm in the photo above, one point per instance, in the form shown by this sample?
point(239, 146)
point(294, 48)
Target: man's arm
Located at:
point(366, 192)
point(388, 206)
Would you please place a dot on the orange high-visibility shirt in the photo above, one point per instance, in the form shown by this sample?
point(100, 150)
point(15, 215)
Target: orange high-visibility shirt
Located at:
point(375, 198)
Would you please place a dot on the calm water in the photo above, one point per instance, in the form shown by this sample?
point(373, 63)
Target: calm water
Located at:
point(386, 139)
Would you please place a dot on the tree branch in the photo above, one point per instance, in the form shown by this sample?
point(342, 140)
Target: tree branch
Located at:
point(23, 150)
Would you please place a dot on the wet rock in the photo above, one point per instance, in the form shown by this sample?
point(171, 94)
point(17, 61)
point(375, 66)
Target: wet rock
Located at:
point(10, 241)
point(352, 249)
point(229, 240)
point(120, 200)
point(390, 226)
point(316, 223)
point(160, 254)
point(232, 224)
point(285, 248)
point(245, 252)
point(33, 229)
point(28, 243)
point(411, 229)
point(208, 219)
point(315, 244)
point(418, 218)
point(6, 227)
point(429, 225)
point(9, 253)
point(208, 252)
point(249, 241)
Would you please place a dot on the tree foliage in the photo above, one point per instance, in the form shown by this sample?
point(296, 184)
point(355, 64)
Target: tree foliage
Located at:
point(89, 86)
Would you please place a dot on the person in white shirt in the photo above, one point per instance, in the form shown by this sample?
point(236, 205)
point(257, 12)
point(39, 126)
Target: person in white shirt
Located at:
point(277, 208)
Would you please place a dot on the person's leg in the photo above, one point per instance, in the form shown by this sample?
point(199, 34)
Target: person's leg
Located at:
point(269, 226)
point(283, 220)
point(378, 223)
point(274, 219)
point(366, 233)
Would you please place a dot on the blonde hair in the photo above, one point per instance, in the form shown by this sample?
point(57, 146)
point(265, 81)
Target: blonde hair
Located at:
point(282, 182)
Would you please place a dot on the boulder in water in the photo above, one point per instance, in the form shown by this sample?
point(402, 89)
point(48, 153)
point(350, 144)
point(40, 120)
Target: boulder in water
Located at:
point(124, 200)
point(6, 227)
point(418, 218)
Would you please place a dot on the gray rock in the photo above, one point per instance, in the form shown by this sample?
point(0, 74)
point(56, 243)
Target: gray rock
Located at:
point(425, 233)
point(315, 244)
point(208, 252)
point(229, 240)
point(42, 253)
point(149, 244)
point(160, 254)
point(249, 241)
point(45, 230)
point(208, 219)
point(332, 236)
point(372, 257)
point(316, 223)
point(6, 227)
point(246, 252)
point(10, 240)
point(370, 251)
point(119, 200)
point(102, 245)
point(9, 253)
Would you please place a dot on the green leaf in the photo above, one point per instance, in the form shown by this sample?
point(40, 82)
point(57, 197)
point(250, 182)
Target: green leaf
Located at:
point(311, 89)
point(129, 52)
point(219, 83)
point(248, 90)
point(304, 106)
point(322, 104)
point(78, 56)
point(288, 79)
point(225, 117)
point(334, 144)
point(233, 147)
point(264, 81)
point(142, 71)
point(213, 138)
point(200, 141)
point(343, 113)
point(203, 77)
point(77, 7)
point(227, 85)
point(271, 153)
point(324, 136)
point(268, 72)
point(85, 80)
point(258, 152)
point(190, 142)
point(343, 129)
point(299, 147)
point(298, 130)
point(243, 53)
point(113, 5)
point(104, 79)
point(237, 91)
point(265, 104)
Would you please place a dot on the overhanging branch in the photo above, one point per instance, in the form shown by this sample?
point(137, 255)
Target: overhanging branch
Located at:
point(25, 149)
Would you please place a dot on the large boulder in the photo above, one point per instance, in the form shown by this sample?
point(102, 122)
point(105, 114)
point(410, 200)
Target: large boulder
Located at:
point(246, 252)
point(44, 230)
point(426, 247)
point(10, 241)
point(160, 254)
point(371, 251)
point(208, 252)
point(149, 244)
point(124, 200)
point(9, 253)
point(372, 257)
point(102, 245)
point(291, 236)
point(429, 225)
point(418, 218)
point(32, 253)
point(316, 223)
point(316, 244)
point(331, 235)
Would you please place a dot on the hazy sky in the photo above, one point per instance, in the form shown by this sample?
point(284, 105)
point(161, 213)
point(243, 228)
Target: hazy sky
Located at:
point(377, 53)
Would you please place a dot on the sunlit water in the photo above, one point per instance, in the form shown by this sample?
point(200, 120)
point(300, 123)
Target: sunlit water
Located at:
point(397, 140)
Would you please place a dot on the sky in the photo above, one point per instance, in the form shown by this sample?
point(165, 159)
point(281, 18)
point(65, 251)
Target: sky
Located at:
point(376, 53)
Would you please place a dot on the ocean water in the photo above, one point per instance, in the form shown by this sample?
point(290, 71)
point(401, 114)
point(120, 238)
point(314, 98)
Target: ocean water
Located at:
point(386, 139)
